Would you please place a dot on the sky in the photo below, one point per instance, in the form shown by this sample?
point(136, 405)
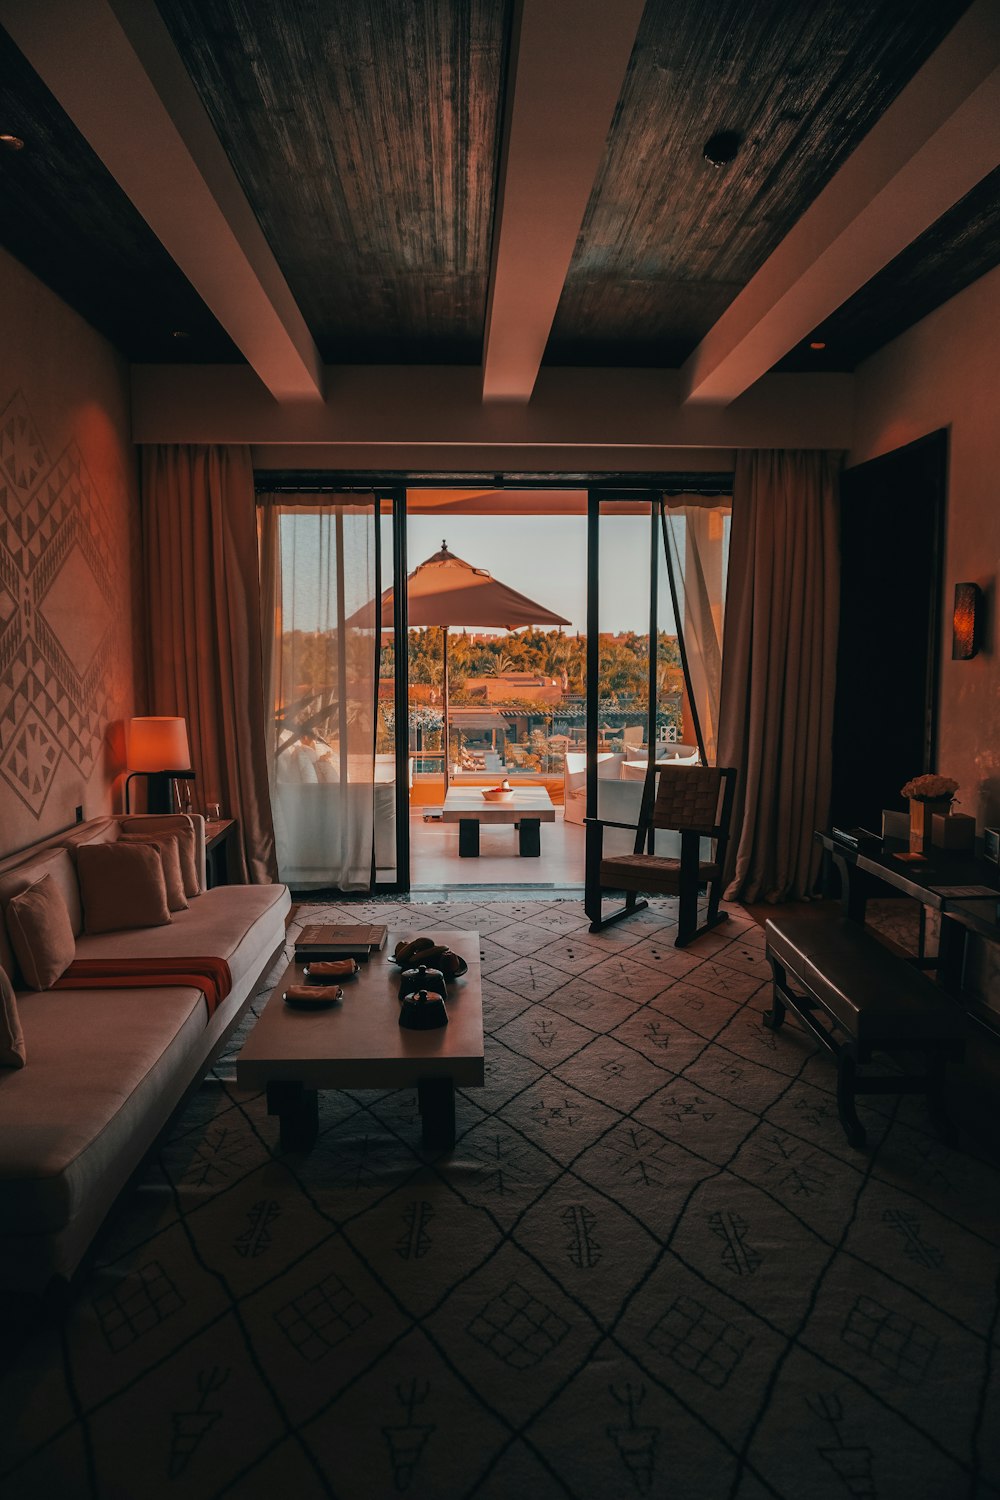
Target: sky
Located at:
point(545, 557)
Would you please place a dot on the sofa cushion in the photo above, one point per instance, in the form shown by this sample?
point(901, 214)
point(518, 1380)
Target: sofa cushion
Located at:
point(17, 876)
point(12, 1052)
point(98, 1057)
point(167, 845)
point(189, 865)
point(190, 831)
point(40, 933)
point(122, 886)
point(220, 924)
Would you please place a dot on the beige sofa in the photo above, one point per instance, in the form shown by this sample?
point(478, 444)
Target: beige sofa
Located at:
point(106, 1068)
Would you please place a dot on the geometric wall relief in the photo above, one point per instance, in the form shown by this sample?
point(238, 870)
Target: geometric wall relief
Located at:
point(60, 640)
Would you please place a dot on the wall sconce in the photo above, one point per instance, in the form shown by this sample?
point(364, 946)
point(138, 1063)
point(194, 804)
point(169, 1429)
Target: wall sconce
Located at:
point(966, 621)
point(158, 749)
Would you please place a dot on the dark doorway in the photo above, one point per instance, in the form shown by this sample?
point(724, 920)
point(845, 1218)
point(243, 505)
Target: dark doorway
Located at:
point(892, 528)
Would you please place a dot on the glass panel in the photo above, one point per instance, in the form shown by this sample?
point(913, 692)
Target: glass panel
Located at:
point(515, 690)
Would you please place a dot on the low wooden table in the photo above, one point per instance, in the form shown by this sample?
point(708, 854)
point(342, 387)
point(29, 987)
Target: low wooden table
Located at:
point(359, 1044)
point(528, 809)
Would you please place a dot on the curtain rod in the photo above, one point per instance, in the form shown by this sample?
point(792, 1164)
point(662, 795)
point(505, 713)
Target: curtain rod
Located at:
point(321, 481)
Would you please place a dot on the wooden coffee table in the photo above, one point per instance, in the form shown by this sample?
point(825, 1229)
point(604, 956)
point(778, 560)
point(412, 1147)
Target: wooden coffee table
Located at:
point(528, 809)
point(359, 1044)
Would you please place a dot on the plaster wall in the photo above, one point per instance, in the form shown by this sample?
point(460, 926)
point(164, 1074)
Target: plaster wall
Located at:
point(943, 373)
point(69, 548)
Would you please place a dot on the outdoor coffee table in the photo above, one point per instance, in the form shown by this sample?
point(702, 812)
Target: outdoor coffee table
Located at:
point(528, 809)
point(359, 1044)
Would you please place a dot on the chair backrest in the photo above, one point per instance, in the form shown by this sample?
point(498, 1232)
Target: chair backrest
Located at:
point(687, 797)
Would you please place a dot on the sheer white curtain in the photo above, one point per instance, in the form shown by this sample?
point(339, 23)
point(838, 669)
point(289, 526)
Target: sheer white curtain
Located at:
point(320, 587)
point(696, 540)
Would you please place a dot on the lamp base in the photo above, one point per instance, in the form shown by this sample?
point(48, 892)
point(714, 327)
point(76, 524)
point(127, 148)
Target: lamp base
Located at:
point(159, 789)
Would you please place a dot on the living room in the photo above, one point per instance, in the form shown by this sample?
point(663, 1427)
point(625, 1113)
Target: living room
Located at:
point(649, 1203)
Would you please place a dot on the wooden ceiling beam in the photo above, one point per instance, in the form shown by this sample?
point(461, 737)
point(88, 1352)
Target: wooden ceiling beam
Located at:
point(113, 68)
point(935, 142)
point(567, 65)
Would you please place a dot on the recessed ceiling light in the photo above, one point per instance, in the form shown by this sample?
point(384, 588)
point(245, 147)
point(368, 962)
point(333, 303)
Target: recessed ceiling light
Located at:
point(817, 344)
point(11, 142)
point(720, 149)
point(180, 333)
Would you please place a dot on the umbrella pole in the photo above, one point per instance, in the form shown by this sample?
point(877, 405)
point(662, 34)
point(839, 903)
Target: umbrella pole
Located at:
point(444, 679)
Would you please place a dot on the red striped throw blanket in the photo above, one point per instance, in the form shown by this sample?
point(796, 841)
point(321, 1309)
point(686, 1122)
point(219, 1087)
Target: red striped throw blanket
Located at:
point(209, 974)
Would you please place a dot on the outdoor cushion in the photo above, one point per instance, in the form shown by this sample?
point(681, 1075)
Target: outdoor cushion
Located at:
point(223, 923)
point(40, 933)
point(98, 1057)
point(122, 886)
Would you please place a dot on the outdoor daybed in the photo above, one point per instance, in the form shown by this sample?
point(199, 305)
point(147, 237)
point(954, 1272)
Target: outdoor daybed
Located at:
point(106, 1066)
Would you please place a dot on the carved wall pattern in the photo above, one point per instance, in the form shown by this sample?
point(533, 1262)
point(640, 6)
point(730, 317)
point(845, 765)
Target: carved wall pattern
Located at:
point(59, 579)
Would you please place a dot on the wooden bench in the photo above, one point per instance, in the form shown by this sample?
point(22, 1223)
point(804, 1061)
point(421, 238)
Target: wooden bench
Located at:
point(874, 1000)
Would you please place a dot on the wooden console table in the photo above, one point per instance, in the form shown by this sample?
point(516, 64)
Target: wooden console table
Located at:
point(962, 888)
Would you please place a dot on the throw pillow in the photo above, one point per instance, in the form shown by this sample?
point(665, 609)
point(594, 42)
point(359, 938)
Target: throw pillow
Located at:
point(41, 933)
point(122, 885)
point(170, 855)
point(12, 1053)
point(189, 865)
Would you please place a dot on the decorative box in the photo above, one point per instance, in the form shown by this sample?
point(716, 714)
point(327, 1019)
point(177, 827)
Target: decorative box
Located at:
point(895, 825)
point(956, 832)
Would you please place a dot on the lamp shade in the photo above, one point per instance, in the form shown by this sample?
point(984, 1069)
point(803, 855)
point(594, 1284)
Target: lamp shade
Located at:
point(158, 744)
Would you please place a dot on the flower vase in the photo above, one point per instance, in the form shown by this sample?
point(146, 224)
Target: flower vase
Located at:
point(922, 810)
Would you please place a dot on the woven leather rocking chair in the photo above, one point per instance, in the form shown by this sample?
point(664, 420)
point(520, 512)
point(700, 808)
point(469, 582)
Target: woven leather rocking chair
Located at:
point(696, 801)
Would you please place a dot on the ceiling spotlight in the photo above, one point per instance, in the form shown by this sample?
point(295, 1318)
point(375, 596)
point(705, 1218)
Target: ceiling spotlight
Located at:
point(180, 333)
point(720, 149)
point(817, 344)
point(11, 142)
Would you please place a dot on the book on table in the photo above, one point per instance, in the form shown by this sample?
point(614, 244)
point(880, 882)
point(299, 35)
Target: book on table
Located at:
point(340, 940)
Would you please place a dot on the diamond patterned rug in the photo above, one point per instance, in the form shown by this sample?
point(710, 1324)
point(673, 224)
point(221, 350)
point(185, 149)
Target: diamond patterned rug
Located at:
point(651, 1266)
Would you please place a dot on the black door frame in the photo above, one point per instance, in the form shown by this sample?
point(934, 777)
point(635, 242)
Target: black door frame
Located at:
point(393, 486)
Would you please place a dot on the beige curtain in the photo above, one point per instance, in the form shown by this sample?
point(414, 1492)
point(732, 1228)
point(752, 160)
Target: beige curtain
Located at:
point(320, 591)
point(203, 619)
point(779, 667)
point(694, 532)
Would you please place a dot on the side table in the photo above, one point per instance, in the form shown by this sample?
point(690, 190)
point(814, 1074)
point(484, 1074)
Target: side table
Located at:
point(220, 838)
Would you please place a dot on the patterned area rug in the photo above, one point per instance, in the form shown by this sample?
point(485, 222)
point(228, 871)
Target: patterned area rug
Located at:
point(651, 1266)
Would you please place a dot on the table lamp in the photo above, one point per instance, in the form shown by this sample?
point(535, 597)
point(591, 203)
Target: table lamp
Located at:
point(158, 749)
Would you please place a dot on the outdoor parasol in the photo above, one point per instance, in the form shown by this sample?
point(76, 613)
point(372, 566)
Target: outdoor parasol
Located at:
point(446, 591)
